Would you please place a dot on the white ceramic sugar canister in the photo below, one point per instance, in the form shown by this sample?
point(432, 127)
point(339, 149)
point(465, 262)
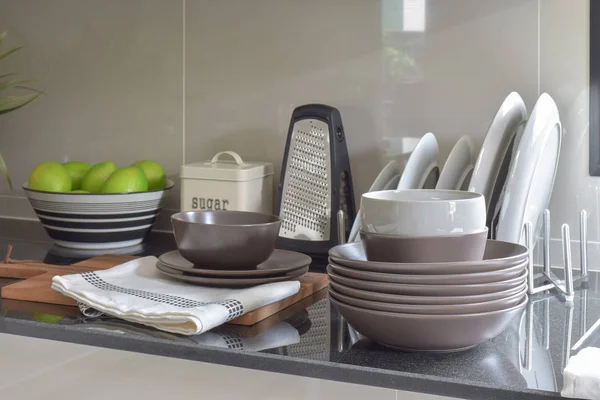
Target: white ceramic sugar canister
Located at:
point(225, 184)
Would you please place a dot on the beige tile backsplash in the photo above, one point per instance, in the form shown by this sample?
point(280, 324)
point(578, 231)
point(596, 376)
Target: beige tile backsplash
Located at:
point(112, 71)
point(179, 80)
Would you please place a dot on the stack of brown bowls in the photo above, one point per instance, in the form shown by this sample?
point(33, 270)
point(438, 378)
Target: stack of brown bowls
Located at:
point(425, 277)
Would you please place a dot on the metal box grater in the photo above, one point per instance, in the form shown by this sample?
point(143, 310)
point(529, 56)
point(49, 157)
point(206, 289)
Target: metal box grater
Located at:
point(316, 181)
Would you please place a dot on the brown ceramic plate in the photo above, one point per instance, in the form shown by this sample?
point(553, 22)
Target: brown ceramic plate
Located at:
point(424, 300)
point(280, 262)
point(431, 333)
point(427, 290)
point(497, 255)
point(227, 282)
point(456, 279)
point(432, 309)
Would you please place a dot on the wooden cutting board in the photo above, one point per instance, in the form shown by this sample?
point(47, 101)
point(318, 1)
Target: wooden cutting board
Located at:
point(37, 278)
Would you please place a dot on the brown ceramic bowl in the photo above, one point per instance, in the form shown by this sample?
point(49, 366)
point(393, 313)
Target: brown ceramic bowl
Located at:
point(424, 300)
point(411, 289)
point(432, 309)
point(433, 333)
point(225, 239)
point(450, 279)
point(497, 255)
point(426, 249)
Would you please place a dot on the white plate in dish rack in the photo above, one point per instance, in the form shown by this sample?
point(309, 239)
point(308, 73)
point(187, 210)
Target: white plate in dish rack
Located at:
point(491, 167)
point(456, 173)
point(387, 179)
point(421, 171)
point(532, 172)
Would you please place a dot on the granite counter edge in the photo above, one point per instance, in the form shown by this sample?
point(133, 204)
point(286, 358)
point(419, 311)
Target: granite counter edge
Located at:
point(271, 362)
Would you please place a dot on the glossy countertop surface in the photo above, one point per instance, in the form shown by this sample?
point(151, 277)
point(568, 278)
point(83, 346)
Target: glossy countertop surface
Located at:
point(312, 339)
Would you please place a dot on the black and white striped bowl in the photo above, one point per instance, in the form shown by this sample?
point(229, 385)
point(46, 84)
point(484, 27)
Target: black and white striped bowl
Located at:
point(97, 221)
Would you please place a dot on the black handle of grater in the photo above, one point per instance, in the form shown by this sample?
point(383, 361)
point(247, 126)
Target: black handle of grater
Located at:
point(340, 169)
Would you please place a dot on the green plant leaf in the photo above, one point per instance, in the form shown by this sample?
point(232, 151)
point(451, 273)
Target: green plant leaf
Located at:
point(30, 89)
point(16, 99)
point(12, 103)
point(8, 53)
point(6, 101)
point(4, 170)
point(16, 83)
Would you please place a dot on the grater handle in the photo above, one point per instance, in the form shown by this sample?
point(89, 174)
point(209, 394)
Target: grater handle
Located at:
point(341, 226)
point(233, 154)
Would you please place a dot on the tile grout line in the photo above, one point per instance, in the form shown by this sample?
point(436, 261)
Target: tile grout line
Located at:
point(183, 87)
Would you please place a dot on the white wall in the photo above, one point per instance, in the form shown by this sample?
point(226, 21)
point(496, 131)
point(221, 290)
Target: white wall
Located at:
point(177, 81)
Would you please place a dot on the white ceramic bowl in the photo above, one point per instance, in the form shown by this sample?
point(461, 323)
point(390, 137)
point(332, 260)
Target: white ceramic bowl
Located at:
point(423, 212)
point(97, 220)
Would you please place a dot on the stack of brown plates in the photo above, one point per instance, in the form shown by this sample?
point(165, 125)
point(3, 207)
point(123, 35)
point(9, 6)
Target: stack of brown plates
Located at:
point(282, 265)
point(438, 307)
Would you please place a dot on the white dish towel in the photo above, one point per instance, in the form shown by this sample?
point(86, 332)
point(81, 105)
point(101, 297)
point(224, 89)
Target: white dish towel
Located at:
point(136, 291)
point(582, 375)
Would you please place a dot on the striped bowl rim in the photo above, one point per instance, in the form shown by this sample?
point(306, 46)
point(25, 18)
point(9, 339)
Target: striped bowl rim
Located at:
point(167, 187)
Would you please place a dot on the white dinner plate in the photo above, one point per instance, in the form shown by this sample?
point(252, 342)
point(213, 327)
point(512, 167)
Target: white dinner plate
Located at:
point(421, 171)
point(393, 183)
point(493, 161)
point(388, 178)
point(532, 172)
point(458, 168)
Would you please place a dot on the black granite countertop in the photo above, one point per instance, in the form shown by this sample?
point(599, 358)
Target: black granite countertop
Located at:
point(311, 338)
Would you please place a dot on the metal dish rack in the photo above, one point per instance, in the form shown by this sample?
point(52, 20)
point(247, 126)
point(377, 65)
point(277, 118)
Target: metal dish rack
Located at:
point(564, 286)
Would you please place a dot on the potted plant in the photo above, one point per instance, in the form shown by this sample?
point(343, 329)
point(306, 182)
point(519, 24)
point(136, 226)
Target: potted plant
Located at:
point(11, 99)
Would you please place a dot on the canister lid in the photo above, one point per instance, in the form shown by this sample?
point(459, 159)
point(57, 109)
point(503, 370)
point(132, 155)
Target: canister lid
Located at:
point(227, 170)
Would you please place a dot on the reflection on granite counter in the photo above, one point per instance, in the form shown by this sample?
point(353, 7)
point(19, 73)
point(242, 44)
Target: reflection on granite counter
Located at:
point(312, 339)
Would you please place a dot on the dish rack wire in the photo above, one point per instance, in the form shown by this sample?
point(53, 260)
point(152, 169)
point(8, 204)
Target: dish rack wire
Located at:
point(564, 286)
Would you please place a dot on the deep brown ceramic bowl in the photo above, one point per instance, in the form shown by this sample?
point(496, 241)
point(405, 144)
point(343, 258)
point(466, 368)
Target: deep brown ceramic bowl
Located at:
point(426, 249)
point(433, 333)
point(432, 309)
point(497, 255)
point(225, 239)
point(447, 279)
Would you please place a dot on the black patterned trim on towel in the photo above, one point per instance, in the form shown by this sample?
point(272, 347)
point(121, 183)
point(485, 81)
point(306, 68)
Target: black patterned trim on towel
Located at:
point(233, 342)
point(234, 307)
